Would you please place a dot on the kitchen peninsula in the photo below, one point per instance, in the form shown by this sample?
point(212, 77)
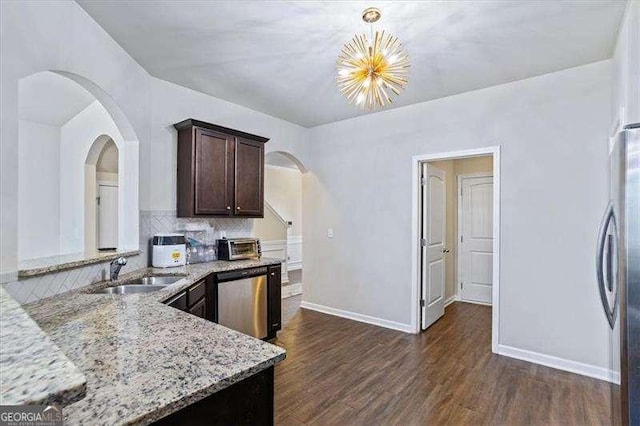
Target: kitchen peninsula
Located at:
point(144, 360)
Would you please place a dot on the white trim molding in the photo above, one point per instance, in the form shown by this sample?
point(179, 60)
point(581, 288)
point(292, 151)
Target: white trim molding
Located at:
point(560, 363)
point(294, 252)
point(278, 250)
point(415, 233)
point(291, 290)
point(406, 328)
point(272, 245)
point(451, 299)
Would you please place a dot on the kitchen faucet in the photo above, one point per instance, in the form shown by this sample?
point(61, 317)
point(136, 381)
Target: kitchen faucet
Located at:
point(115, 266)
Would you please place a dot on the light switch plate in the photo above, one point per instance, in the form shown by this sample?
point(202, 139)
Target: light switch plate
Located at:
point(330, 233)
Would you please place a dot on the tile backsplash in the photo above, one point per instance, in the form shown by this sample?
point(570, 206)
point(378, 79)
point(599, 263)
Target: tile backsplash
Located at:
point(151, 222)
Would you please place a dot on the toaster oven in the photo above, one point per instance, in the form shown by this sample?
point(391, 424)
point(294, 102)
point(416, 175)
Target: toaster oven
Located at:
point(239, 248)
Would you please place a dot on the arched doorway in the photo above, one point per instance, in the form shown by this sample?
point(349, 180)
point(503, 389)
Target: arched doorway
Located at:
point(101, 195)
point(281, 229)
point(72, 134)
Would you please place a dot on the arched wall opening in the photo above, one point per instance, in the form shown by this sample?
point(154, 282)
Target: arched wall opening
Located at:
point(101, 195)
point(281, 229)
point(70, 134)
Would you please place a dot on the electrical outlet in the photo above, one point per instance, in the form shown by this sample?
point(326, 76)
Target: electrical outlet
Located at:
point(330, 233)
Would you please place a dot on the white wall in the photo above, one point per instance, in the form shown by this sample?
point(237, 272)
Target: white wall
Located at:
point(270, 228)
point(552, 130)
point(283, 190)
point(39, 188)
point(626, 74)
point(171, 104)
point(68, 40)
point(77, 137)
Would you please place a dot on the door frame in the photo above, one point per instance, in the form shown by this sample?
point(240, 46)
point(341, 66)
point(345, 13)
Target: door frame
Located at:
point(415, 233)
point(459, 180)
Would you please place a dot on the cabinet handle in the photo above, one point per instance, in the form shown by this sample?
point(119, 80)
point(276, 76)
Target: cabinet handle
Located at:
point(273, 274)
point(228, 207)
point(238, 208)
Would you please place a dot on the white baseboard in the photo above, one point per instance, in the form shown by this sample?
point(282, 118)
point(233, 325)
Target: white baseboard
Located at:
point(475, 302)
point(560, 363)
point(450, 300)
point(358, 317)
point(291, 290)
point(294, 265)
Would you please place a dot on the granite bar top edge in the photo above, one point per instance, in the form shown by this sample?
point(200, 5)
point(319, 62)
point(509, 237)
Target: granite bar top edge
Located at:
point(27, 272)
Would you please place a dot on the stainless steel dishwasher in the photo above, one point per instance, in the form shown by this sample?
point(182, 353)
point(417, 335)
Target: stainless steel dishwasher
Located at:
point(242, 301)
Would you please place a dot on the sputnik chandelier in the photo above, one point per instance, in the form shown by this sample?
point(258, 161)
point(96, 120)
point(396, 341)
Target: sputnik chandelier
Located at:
point(371, 70)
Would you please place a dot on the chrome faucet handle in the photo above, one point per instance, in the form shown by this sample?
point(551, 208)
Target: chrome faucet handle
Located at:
point(115, 266)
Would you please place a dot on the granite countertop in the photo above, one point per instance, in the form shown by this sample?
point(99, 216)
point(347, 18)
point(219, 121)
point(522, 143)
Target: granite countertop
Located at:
point(144, 360)
point(47, 265)
point(33, 370)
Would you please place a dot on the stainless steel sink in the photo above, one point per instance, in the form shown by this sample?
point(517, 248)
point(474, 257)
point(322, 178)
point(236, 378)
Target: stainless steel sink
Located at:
point(143, 285)
point(132, 289)
point(157, 280)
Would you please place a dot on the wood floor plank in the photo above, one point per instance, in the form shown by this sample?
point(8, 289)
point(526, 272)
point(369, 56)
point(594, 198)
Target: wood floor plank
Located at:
point(342, 372)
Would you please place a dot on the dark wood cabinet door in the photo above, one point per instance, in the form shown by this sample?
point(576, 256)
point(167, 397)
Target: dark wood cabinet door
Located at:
point(196, 292)
point(213, 173)
point(275, 299)
point(248, 402)
point(199, 309)
point(179, 301)
point(249, 178)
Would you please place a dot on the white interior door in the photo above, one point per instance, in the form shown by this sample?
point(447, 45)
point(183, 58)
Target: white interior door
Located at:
point(433, 204)
point(107, 216)
point(475, 250)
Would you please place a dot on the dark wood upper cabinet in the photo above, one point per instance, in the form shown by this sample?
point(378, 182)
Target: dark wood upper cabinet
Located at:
point(220, 171)
point(249, 179)
point(213, 167)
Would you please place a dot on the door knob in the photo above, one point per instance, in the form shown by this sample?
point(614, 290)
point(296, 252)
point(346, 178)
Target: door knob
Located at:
point(228, 207)
point(238, 208)
point(446, 250)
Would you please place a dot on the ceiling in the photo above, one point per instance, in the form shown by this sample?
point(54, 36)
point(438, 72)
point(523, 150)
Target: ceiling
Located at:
point(279, 57)
point(49, 98)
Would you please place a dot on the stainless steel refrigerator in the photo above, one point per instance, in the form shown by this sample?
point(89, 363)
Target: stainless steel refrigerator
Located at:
point(618, 273)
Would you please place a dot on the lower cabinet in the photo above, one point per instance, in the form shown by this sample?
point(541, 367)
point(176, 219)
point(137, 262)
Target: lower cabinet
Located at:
point(193, 300)
point(248, 402)
point(199, 309)
point(201, 300)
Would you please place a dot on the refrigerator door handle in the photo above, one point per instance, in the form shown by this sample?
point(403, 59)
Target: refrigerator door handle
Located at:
point(610, 281)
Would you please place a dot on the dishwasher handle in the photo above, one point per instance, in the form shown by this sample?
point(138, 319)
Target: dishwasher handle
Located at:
point(240, 274)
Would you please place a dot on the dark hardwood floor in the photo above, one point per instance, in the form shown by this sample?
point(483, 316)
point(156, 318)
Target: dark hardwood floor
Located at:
point(342, 372)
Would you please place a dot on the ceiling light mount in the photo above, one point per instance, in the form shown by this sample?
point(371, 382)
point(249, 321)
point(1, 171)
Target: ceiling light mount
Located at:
point(371, 15)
